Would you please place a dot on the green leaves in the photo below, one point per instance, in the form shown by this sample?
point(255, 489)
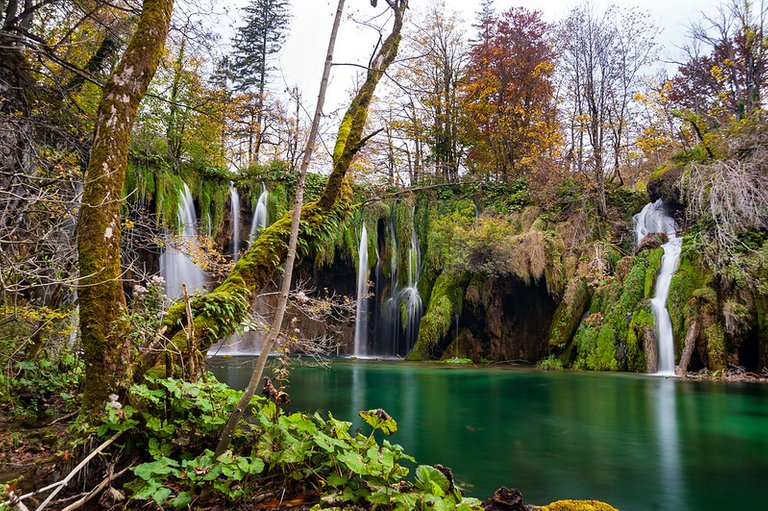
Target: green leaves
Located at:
point(431, 480)
point(379, 419)
point(174, 421)
point(160, 467)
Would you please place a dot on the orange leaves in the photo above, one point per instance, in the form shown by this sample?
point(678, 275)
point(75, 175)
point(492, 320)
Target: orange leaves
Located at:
point(508, 95)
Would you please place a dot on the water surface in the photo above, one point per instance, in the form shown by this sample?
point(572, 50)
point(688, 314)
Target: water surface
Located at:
point(637, 442)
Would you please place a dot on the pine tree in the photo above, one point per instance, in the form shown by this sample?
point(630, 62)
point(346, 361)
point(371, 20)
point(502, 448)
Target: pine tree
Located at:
point(262, 35)
point(483, 18)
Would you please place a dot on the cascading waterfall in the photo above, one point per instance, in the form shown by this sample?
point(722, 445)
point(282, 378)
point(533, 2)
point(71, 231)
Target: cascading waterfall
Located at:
point(398, 305)
point(386, 317)
point(654, 218)
point(175, 265)
point(410, 294)
point(260, 219)
point(361, 319)
point(234, 203)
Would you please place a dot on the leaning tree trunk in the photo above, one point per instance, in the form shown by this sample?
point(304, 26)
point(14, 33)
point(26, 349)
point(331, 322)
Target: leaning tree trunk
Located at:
point(217, 313)
point(106, 349)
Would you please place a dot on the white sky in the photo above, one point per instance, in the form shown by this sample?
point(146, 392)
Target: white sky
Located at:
point(301, 58)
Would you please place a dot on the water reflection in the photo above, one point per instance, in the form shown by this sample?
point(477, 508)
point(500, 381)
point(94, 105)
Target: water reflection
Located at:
point(671, 476)
point(639, 443)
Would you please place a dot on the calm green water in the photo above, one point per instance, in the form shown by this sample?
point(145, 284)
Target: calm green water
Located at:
point(639, 443)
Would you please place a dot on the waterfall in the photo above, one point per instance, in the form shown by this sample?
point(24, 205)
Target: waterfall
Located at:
point(410, 294)
point(397, 304)
point(361, 319)
point(654, 218)
point(176, 266)
point(260, 219)
point(234, 203)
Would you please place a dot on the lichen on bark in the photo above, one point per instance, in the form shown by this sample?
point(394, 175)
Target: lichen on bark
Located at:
point(106, 351)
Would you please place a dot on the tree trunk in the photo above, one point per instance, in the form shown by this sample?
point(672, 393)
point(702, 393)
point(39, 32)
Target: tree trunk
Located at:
point(106, 350)
point(690, 342)
point(217, 313)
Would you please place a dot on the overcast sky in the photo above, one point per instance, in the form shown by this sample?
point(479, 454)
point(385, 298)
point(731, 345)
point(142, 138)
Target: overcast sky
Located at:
point(301, 59)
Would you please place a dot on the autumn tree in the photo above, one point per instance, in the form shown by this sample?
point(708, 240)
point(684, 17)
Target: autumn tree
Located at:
point(256, 42)
point(183, 118)
point(507, 96)
point(603, 56)
point(433, 58)
point(725, 66)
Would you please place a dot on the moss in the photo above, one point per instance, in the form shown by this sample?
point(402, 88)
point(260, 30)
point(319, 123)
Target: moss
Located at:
point(761, 328)
point(577, 505)
point(445, 302)
point(714, 335)
point(653, 266)
point(642, 318)
point(569, 312)
point(610, 343)
point(605, 295)
point(689, 277)
point(603, 357)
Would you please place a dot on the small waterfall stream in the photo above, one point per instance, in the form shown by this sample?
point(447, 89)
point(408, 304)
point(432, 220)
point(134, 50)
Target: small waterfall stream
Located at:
point(361, 319)
point(176, 266)
point(654, 218)
point(260, 218)
point(234, 204)
point(413, 305)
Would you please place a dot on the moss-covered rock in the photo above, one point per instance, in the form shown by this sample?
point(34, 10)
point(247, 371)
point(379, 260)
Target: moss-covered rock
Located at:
point(569, 312)
point(444, 303)
point(577, 505)
point(612, 337)
point(640, 325)
point(664, 184)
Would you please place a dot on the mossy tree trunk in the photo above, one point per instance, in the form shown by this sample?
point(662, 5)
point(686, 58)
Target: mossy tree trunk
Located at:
point(217, 313)
point(106, 349)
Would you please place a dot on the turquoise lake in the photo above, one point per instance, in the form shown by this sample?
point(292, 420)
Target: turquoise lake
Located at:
point(634, 441)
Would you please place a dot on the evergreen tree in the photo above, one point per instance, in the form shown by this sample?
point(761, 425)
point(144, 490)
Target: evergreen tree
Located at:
point(483, 18)
point(262, 35)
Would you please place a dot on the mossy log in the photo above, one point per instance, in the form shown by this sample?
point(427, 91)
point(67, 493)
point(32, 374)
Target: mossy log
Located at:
point(106, 348)
point(216, 314)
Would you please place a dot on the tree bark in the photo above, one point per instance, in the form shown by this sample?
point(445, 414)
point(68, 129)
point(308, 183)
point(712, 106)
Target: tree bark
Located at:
point(690, 342)
point(217, 313)
point(106, 350)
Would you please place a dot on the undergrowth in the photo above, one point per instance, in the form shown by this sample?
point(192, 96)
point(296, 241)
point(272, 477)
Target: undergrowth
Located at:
point(172, 424)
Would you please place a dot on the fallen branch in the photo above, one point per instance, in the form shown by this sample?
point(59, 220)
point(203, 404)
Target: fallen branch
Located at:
point(85, 498)
point(61, 484)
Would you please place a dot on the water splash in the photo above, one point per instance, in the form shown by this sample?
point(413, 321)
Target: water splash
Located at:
point(177, 266)
point(260, 218)
point(654, 218)
point(361, 319)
